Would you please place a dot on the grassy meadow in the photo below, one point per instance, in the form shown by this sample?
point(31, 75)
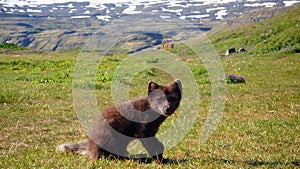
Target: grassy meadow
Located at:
point(260, 127)
point(279, 33)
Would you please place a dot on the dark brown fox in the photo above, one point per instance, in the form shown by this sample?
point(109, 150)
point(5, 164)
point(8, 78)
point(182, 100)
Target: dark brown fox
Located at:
point(118, 125)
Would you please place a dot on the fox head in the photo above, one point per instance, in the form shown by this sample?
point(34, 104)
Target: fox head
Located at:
point(165, 99)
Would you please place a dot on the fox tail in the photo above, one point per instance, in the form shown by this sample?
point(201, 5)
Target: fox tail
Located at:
point(77, 148)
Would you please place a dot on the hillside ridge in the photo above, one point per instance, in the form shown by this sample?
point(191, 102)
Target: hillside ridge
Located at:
point(279, 33)
point(67, 26)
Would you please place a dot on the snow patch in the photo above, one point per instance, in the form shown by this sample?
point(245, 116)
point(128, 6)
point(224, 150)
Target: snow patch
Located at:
point(9, 5)
point(70, 5)
point(165, 17)
point(198, 16)
point(131, 10)
point(172, 11)
point(183, 17)
point(87, 12)
point(266, 4)
point(34, 10)
point(80, 17)
point(72, 10)
point(215, 9)
point(290, 3)
point(104, 18)
point(220, 14)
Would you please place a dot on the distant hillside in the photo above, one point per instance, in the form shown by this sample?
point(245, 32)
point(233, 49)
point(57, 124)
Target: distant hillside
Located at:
point(279, 33)
point(68, 25)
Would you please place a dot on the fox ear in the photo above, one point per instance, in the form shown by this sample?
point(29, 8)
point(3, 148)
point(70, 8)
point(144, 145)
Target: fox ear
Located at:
point(177, 83)
point(152, 86)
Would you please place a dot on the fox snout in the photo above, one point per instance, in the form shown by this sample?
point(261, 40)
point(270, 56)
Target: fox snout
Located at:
point(167, 109)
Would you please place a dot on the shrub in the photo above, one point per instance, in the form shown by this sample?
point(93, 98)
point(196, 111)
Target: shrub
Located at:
point(11, 46)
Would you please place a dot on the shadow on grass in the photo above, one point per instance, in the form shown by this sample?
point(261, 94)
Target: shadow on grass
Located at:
point(251, 163)
point(165, 161)
point(147, 160)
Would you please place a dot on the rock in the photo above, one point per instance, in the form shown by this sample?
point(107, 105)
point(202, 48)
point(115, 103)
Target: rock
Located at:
point(242, 50)
point(108, 54)
point(229, 51)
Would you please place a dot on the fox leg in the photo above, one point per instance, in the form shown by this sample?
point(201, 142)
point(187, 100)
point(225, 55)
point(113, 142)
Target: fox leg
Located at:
point(93, 149)
point(154, 147)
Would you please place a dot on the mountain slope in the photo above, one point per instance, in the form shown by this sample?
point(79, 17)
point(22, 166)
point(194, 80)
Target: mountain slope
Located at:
point(68, 25)
point(280, 33)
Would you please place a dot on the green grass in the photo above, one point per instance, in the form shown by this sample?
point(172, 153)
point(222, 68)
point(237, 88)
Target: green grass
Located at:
point(11, 46)
point(260, 126)
point(280, 33)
